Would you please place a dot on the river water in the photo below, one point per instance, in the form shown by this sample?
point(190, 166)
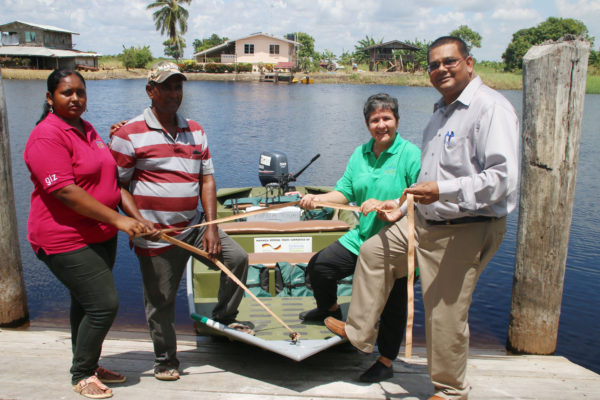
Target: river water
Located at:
point(244, 118)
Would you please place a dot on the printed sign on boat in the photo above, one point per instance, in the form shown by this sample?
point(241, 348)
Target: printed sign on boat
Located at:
point(292, 244)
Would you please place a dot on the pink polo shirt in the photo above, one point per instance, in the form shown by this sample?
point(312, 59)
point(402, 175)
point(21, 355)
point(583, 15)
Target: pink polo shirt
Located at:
point(58, 155)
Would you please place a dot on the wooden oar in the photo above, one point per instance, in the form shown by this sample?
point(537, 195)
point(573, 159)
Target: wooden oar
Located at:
point(411, 276)
point(336, 205)
point(341, 206)
point(293, 335)
point(256, 212)
point(231, 217)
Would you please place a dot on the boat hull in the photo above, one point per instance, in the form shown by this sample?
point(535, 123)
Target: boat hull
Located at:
point(203, 280)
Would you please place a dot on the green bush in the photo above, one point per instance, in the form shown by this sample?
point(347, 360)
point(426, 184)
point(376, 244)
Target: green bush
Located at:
point(135, 57)
point(244, 67)
point(551, 29)
point(218, 68)
point(211, 68)
point(190, 66)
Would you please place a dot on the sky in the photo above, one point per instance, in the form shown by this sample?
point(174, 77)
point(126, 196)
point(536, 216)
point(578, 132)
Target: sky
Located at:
point(105, 26)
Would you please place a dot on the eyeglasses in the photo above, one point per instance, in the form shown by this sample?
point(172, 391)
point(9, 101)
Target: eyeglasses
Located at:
point(449, 62)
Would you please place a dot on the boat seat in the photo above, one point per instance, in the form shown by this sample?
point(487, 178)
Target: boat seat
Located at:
point(270, 259)
point(245, 227)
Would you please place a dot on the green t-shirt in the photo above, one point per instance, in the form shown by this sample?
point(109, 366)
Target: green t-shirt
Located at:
point(382, 178)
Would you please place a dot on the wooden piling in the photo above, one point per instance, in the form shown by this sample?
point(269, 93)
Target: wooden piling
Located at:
point(13, 301)
point(554, 79)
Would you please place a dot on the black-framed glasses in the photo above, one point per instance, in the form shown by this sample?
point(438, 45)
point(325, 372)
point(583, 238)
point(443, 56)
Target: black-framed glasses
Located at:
point(448, 62)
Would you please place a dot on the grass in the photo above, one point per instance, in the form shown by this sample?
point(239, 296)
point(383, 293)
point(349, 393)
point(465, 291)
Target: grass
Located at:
point(110, 62)
point(494, 76)
point(113, 62)
point(593, 84)
point(25, 74)
point(499, 79)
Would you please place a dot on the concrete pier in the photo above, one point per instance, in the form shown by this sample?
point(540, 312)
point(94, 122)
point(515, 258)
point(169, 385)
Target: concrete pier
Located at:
point(36, 361)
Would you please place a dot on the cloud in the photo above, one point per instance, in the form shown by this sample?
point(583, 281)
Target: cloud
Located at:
point(518, 14)
point(106, 25)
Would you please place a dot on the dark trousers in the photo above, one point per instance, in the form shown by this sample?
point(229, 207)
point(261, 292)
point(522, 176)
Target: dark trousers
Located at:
point(161, 276)
point(334, 263)
point(87, 273)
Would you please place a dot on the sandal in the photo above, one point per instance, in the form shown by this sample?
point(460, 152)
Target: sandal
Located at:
point(166, 373)
point(108, 376)
point(84, 387)
point(238, 326)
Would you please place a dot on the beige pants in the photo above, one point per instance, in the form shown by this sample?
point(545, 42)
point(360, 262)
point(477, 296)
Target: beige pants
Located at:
point(450, 259)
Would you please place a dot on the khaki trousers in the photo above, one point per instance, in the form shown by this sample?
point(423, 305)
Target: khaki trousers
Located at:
point(450, 259)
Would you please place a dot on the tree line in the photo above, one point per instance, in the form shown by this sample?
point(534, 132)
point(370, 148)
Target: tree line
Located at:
point(170, 19)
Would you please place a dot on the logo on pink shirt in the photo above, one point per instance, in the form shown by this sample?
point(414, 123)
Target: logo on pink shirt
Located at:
point(50, 179)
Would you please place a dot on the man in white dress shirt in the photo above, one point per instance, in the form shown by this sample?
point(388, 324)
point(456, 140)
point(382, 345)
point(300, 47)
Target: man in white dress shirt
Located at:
point(466, 187)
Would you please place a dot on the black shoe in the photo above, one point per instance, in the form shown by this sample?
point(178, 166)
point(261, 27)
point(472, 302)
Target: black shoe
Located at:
point(319, 315)
point(377, 373)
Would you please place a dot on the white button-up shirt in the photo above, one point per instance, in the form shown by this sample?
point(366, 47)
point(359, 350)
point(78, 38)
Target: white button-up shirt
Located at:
point(471, 149)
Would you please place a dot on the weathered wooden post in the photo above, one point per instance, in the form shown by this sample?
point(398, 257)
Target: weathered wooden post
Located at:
point(554, 79)
point(13, 302)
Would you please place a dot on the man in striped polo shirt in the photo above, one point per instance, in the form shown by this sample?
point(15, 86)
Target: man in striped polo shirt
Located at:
point(164, 161)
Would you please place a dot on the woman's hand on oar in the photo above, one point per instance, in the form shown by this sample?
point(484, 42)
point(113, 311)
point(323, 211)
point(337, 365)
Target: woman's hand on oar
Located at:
point(308, 201)
point(389, 210)
point(370, 205)
point(151, 233)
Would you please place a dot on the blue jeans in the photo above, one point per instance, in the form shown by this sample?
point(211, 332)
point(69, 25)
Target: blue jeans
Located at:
point(87, 273)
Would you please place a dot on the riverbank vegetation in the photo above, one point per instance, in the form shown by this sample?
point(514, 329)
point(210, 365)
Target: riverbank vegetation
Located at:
point(350, 67)
point(491, 73)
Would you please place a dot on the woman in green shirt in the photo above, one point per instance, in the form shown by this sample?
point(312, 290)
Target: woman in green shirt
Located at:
point(378, 170)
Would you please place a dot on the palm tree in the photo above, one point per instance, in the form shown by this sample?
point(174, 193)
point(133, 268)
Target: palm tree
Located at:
point(360, 54)
point(168, 17)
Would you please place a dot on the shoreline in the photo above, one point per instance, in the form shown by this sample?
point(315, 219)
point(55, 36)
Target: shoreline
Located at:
point(419, 79)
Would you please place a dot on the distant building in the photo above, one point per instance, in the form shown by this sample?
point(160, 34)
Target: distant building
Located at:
point(41, 47)
point(254, 49)
point(387, 56)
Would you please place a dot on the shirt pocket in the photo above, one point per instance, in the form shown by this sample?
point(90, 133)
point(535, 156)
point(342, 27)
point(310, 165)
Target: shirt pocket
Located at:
point(454, 154)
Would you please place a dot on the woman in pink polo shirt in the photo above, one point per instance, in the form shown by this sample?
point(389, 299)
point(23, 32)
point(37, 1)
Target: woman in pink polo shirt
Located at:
point(73, 222)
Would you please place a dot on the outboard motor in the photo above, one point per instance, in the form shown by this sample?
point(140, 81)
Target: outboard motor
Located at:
point(274, 175)
point(273, 168)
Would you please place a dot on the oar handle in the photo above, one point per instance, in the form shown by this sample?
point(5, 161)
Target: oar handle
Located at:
point(411, 276)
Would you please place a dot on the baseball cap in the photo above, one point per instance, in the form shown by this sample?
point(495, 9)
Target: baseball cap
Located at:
point(163, 70)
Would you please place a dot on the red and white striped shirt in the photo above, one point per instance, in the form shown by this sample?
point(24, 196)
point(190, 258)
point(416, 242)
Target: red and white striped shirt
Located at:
point(163, 172)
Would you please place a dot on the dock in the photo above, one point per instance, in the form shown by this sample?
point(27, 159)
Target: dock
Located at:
point(36, 361)
point(277, 77)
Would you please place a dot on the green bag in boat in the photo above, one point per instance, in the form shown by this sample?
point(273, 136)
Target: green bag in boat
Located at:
point(258, 281)
point(345, 286)
point(292, 279)
point(319, 214)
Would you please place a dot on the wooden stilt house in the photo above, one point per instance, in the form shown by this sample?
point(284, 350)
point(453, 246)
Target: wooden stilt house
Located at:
point(386, 57)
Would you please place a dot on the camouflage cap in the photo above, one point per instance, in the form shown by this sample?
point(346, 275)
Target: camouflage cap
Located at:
point(163, 70)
